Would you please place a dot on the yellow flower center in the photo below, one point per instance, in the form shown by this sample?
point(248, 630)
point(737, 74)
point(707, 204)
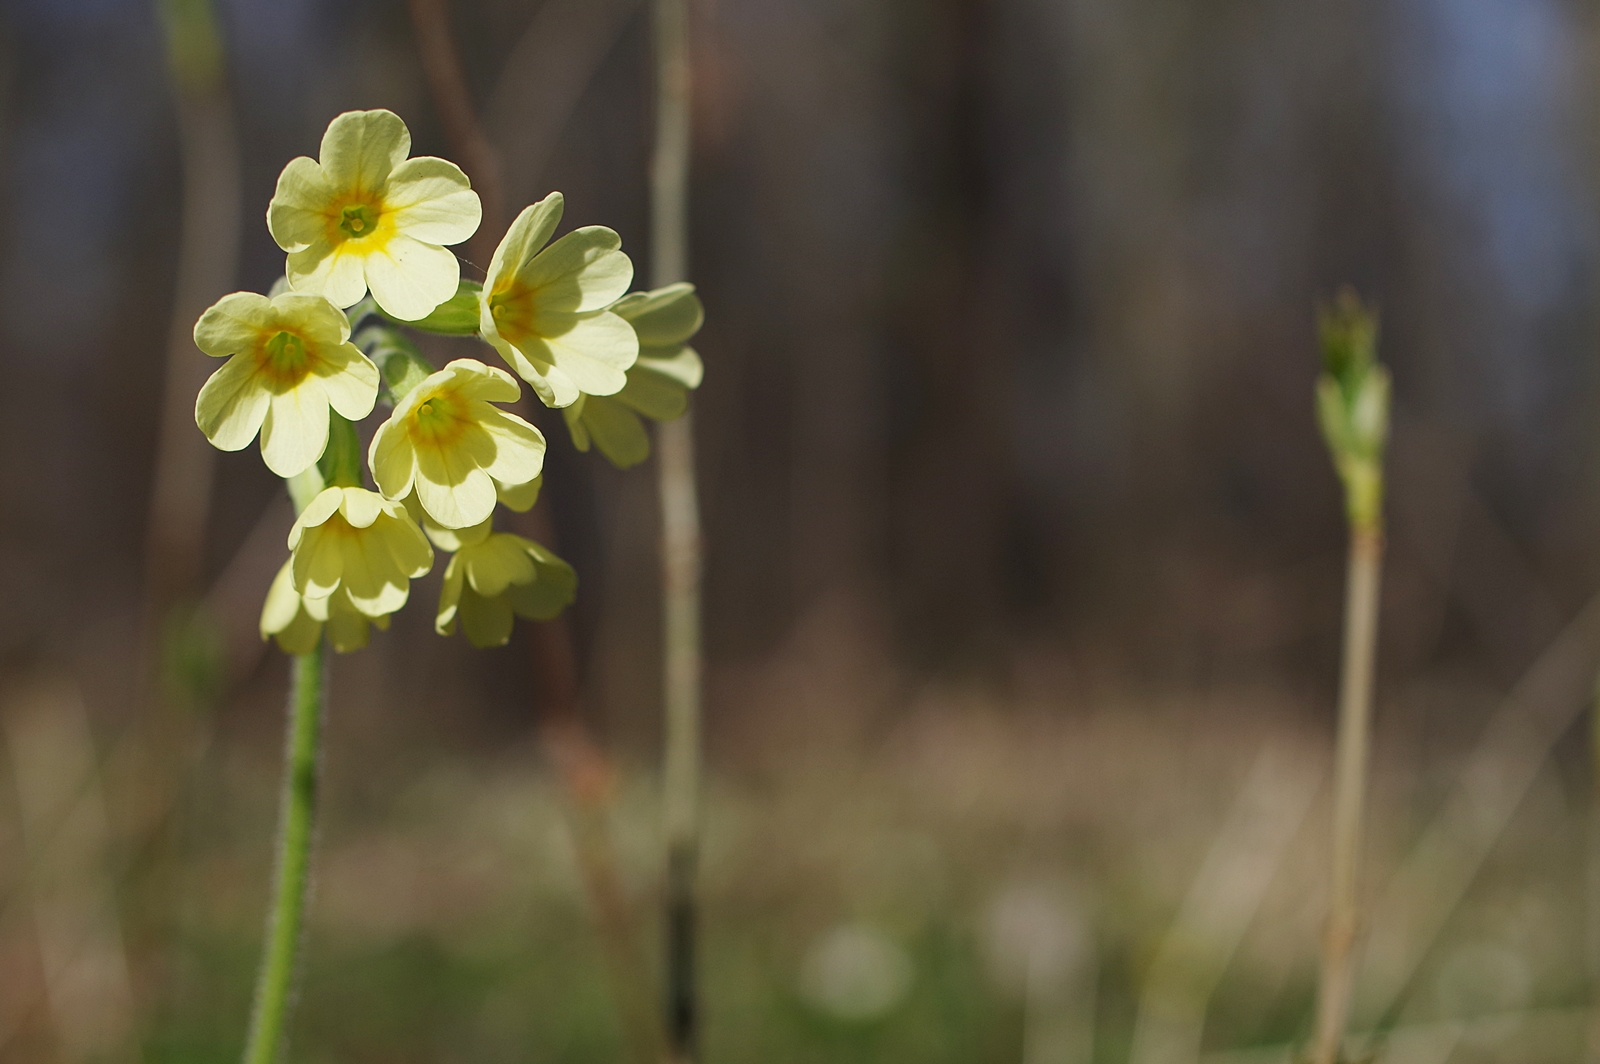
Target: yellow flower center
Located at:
point(513, 311)
point(283, 360)
point(440, 419)
point(358, 221)
point(359, 217)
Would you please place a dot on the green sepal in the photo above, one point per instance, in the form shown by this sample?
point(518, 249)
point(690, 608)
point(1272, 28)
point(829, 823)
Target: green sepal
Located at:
point(402, 365)
point(340, 464)
point(456, 316)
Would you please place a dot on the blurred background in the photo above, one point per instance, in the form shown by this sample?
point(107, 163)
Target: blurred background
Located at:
point(1024, 557)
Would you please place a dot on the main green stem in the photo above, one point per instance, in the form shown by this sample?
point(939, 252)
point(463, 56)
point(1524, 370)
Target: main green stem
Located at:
point(1350, 787)
point(296, 825)
point(680, 542)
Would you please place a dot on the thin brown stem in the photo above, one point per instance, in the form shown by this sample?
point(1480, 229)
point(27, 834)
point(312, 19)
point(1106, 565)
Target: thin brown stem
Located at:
point(441, 62)
point(1350, 784)
point(585, 771)
point(208, 254)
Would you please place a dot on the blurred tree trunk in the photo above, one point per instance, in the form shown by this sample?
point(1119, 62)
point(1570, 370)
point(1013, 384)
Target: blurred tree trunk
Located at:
point(951, 374)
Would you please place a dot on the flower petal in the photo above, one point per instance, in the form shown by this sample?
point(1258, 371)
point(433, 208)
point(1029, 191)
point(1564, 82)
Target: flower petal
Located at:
point(323, 506)
point(282, 603)
point(451, 486)
point(231, 405)
point(312, 316)
point(409, 278)
point(360, 507)
point(318, 565)
point(298, 214)
point(519, 497)
point(432, 201)
point(324, 270)
point(583, 271)
point(474, 380)
point(550, 593)
point(295, 431)
point(663, 317)
point(518, 446)
point(361, 148)
point(653, 395)
point(391, 458)
point(595, 350)
point(523, 240)
point(350, 379)
point(233, 323)
point(486, 622)
point(444, 620)
point(616, 430)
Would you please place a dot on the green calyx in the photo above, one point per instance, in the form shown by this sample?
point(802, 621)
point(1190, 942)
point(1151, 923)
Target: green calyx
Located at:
point(397, 358)
point(456, 316)
point(1353, 404)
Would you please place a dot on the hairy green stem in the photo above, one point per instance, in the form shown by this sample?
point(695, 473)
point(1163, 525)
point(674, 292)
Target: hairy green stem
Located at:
point(291, 881)
point(1350, 784)
point(680, 542)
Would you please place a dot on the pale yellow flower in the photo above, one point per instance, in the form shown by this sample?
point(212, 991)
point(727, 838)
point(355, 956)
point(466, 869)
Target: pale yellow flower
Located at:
point(546, 312)
point(285, 619)
point(366, 217)
point(356, 541)
point(658, 383)
point(292, 360)
point(448, 442)
point(494, 576)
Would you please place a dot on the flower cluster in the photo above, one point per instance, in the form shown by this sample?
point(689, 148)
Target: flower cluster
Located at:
point(366, 229)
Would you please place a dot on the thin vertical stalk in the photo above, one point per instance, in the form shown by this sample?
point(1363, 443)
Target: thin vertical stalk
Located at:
point(680, 541)
point(1592, 899)
point(274, 997)
point(208, 254)
point(1350, 785)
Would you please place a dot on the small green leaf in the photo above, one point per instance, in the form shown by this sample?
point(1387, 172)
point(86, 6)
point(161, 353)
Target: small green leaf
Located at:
point(456, 316)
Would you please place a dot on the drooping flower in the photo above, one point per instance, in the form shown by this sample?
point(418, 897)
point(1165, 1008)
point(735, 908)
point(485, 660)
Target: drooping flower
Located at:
point(355, 541)
point(285, 619)
point(291, 360)
point(363, 216)
point(546, 312)
point(658, 383)
point(494, 576)
point(448, 442)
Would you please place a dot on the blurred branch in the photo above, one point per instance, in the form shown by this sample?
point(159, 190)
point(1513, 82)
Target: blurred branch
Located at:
point(544, 78)
point(583, 767)
point(208, 254)
point(1508, 758)
point(442, 63)
point(1218, 909)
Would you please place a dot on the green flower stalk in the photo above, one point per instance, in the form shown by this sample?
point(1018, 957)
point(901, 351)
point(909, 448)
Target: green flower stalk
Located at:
point(1353, 413)
point(682, 665)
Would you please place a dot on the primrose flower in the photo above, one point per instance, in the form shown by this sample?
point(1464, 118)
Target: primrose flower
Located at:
point(291, 359)
point(356, 542)
point(284, 618)
point(495, 575)
point(658, 383)
point(365, 216)
point(447, 441)
point(546, 312)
